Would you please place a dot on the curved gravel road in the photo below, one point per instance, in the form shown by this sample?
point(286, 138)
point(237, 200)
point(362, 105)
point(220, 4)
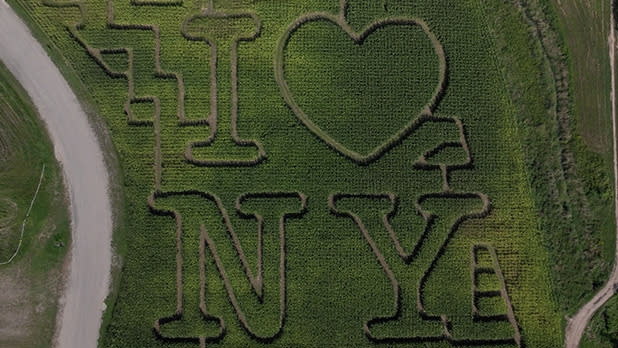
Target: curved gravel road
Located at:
point(86, 178)
point(577, 325)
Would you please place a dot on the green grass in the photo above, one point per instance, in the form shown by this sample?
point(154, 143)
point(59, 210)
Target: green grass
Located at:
point(334, 283)
point(27, 150)
point(32, 278)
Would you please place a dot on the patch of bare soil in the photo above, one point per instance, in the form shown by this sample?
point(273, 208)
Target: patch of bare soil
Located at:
point(28, 300)
point(16, 312)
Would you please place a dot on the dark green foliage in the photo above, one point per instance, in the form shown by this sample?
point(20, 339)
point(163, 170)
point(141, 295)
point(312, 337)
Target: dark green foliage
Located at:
point(570, 183)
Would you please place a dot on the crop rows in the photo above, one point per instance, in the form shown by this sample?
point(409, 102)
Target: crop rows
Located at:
point(359, 38)
point(256, 280)
point(495, 270)
point(248, 78)
point(128, 75)
point(409, 257)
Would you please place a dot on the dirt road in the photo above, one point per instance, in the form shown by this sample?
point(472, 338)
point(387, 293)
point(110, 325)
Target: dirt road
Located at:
point(86, 177)
point(577, 324)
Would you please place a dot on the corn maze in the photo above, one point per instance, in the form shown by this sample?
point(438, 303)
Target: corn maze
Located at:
point(311, 173)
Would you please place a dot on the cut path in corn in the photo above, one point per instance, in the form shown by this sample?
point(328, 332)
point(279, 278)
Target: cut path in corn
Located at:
point(577, 325)
point(86, 178)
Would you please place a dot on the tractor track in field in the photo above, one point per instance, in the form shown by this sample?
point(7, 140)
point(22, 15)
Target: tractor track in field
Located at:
point(577, 325)
point(86, 179)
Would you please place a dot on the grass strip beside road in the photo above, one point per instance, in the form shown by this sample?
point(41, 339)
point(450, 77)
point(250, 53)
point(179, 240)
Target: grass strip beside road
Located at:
point(30, 285)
